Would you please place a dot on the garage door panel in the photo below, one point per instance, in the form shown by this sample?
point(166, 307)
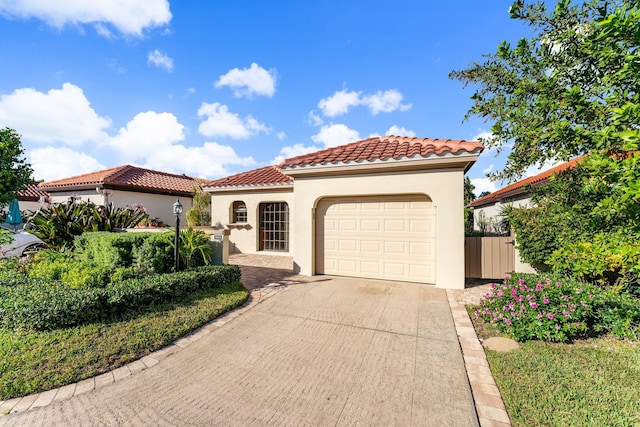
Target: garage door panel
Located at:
point(386, 237)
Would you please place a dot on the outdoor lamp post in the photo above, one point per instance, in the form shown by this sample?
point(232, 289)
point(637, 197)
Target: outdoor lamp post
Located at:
point(177, 210)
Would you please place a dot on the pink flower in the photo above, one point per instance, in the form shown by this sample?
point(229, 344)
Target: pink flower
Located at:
point(533, 305)
point(521, 282)
point(508, 322)
point(546, 301)
point(550, 316)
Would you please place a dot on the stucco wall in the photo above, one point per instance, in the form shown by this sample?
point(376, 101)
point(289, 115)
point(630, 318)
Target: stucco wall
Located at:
point(444, 187)
point(244, 237)
point(493, 211)
point(157, 205)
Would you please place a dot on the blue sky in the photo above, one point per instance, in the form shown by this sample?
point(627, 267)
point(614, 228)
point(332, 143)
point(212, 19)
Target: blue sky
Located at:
point(211, 88)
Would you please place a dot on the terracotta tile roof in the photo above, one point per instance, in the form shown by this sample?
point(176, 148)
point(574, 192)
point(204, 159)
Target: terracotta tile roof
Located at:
point(383, 148)
point(31, 193)
point(519, 187)
point(267, 176)
point(127, 177)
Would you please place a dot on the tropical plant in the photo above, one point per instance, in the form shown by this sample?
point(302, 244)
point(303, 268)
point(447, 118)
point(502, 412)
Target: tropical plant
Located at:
point(195, 249)
point(57, 225)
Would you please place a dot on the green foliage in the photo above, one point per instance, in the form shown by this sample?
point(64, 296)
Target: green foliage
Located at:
point(468, 198)
point(15, 172)
point(36, 304)
point(195, 249)
point(33, 362)
point(200, 213)
point(146, 252)
point(64, 267)
point(542, 310)
point(550, 308)
point(610, 260)
point(59, 224)
point(570, 89)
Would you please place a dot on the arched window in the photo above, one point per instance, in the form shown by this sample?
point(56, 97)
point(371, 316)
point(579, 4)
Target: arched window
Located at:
point(239, 212)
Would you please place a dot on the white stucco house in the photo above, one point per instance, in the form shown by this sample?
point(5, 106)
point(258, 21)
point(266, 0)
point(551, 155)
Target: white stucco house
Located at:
point(385, 207)
point(128, 186)
point(517, 194)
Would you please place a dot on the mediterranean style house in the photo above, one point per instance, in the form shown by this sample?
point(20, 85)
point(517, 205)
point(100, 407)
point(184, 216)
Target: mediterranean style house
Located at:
point(387, 207)
point(127, 186)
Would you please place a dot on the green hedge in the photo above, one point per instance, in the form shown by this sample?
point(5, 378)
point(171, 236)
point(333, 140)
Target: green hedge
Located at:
point(143, 251)
point(41, 305)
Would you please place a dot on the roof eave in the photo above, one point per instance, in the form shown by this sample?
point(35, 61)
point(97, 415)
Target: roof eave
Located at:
point(253, 187)
point(459, 160)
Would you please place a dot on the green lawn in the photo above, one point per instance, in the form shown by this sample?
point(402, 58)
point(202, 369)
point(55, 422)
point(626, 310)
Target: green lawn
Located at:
point(32, 362)
point(594, 382)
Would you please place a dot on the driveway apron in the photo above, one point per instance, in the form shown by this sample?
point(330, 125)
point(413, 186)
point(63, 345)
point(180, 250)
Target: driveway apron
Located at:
point(328, 351)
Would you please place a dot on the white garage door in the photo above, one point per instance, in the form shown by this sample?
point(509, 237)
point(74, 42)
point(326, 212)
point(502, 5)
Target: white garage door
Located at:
point(389, 238)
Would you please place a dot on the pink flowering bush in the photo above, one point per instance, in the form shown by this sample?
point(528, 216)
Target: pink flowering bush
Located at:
point(539, 310)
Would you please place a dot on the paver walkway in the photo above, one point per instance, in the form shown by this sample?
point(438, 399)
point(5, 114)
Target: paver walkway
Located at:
point(326, 351)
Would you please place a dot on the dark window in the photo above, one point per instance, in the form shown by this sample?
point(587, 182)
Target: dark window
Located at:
point(274, 227)
point(239, 212)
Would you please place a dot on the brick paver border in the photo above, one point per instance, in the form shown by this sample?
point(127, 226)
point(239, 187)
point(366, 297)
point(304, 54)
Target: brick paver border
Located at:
point(45, 398)
point(488, 401)
point(489, 404)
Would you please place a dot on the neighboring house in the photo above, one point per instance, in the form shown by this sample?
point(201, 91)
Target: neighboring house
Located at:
point(489, 208)
point(32, 198)
point(128, 186)
point(516, 194)
point(384, 207)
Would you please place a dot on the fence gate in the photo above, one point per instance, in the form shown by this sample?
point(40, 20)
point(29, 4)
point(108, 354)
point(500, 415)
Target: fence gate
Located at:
point(489, 257)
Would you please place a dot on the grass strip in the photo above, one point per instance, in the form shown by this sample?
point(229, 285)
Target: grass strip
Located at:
point(587, 383)
point(32, 362)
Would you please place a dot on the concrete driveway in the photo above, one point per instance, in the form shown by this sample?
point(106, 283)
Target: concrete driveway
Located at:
point(327, 351)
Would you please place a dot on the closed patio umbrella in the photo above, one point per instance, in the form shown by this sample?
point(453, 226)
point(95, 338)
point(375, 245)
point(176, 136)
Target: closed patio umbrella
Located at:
point(13, 216)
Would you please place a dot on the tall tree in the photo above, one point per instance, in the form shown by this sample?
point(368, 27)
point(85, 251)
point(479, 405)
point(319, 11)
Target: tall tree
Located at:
point(15, 172)
point(570, 89)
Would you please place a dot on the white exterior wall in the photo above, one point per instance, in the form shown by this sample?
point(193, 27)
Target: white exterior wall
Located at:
point(444, 187)
point(244, 236)
point(493, 211)
point(156, 205)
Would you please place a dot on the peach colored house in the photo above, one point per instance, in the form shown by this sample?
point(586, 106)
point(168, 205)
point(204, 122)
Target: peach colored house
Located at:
point(385, 208)
point(128, 186)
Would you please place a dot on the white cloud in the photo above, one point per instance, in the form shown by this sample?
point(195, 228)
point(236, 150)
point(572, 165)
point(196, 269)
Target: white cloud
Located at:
point(385, 102)
point(339, 103)
point(400, 131)
point(314, 119)
point(129, 17)
point(281, 136)
point(488, 169)
point(60, 162)
point(219, 122)
point(380, 102)
point(293, 151)
point(483, 184)
point(335, 134)
point(249, 81)
point(206, 161)
point(160, 60)
point(60, 115)
point(153, 140)
point(147, 133)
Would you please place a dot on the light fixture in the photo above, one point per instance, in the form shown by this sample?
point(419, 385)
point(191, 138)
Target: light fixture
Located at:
point(177, 210)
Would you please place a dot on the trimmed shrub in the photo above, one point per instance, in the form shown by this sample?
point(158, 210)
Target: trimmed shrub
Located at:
point(609, 260)
point(33, 303)
point(146, 252)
